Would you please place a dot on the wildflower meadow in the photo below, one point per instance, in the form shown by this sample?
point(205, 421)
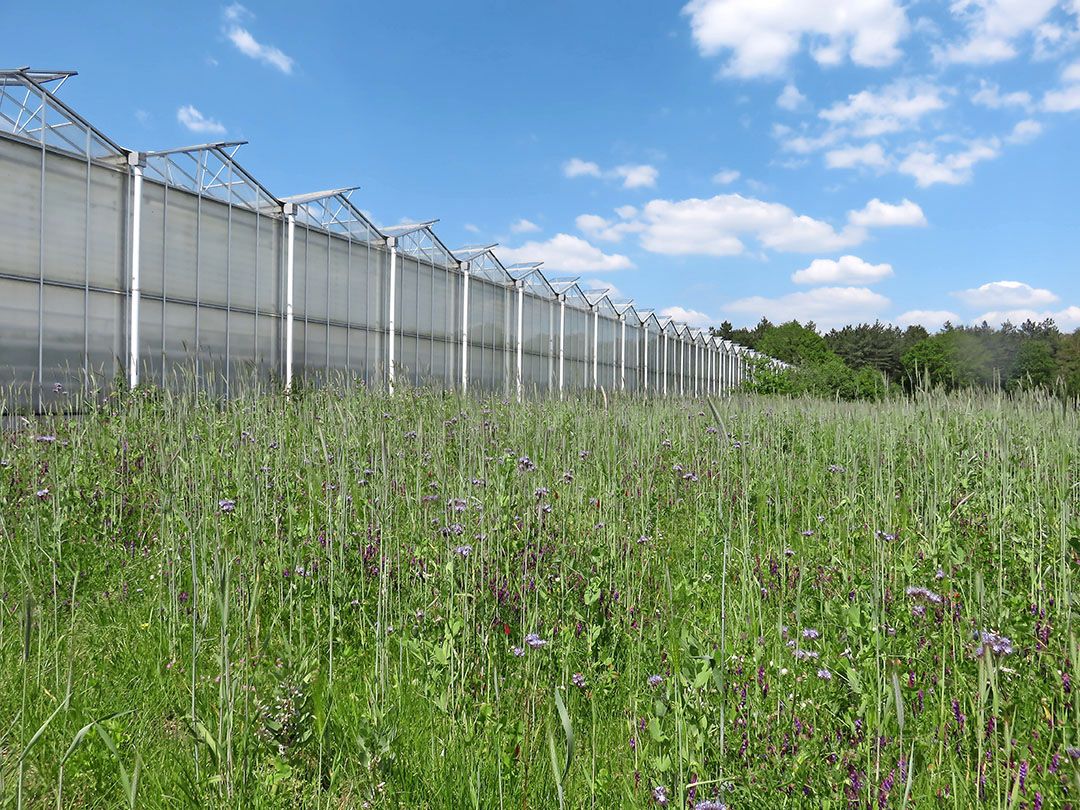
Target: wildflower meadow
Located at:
point(349, 599)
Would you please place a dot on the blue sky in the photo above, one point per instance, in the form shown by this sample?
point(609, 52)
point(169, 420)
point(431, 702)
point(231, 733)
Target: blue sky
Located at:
point(721, 159)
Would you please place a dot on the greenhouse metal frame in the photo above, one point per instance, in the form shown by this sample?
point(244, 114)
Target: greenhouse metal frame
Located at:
point(179, 266)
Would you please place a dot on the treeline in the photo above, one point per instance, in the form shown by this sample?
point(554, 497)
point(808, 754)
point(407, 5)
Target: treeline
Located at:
point(870, 361)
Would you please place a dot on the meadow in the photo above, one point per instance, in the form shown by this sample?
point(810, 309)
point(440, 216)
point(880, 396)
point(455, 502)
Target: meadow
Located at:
point(428, 601)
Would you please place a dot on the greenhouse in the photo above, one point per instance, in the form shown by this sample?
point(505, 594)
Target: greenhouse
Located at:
point(178, 267)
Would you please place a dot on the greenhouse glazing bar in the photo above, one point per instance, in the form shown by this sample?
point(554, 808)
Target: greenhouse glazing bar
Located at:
point(177, 266)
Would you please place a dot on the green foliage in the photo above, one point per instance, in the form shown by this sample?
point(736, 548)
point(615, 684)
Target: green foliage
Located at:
point(330, 600)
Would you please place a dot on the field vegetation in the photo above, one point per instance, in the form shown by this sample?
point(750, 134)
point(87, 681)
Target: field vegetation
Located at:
point(428, 601)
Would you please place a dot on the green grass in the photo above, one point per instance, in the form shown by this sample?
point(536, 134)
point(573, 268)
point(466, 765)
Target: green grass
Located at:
point(323, 645)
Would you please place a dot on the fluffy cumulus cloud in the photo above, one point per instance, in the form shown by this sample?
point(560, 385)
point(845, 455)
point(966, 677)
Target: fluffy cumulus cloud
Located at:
point(631, 175)
point(721, 225)
point(929, 166)
point(725, 177)
point(992, 29)
point(1066, 97)
point(878, 214)
point(576, 167)
point(932, 319)
point(790, 98)
point(524, 226)
point(1066, 319)
point(761, 38)
point(870, 155)
point(1025, 131)
point(896, 107)
point(990, 95)
point(828, 307)
point(845, 270)
point(195, 121)
point(691, 317)
point(246, 43)
point(1003, 295)
point(566, 253)
point(637, 175)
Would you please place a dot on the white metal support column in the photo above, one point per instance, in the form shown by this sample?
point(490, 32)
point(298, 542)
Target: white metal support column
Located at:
point(289, 211)
point(391, 349)
point(622, 361)
point(595, 346)
point(465, 327)
point(645, 377)
point(136, 160)
point(562, 340)
point(665, 361)
point(682, 366)
point(520, 335)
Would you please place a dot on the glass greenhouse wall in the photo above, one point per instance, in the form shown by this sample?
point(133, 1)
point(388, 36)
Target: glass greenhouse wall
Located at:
point(178, 268)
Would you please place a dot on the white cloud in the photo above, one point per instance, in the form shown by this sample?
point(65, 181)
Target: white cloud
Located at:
point(993, 26)
point(471, 228)
point(1006, 295)
point(576, 167)
point(849, 157)
point(762, 37)
point(894, 108)
point(804, 144)
point(632, 175)
point(1066, 319)
point(524, 226)
point(715, 227)
point(626, 211)
point(637, 176)
point(725, 177)
point(606, 230)
point(932, 319)
point(828, 307)
point(1025, 131)
point(990, 95)
point(566, 253)
point(1067, 97)
point(197, 122)
point(691, 317)
point(845, 270)
point(877, 214)
point(929, 168)
point(790, 99)
point(244, 42)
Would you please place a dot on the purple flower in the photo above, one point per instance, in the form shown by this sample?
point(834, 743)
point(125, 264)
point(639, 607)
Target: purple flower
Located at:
point(578, 680)
point(541, 493)
point(42, 494)
point(810, 633)
point(940, 574)
point(993, 643)
point(226, 505)
point(525, 464)
point(659, 795)
point(1073, 752)
point(710, 804)
point(808, 533)
point(45, 439)
point(655, 680)
point(919, 593)
point(463, 551)
point(58, 388)
point(824, 674)
point(805, 655)
point(534, 641)
point(518, 651)
point(584, 454)
point(836, 468)
point(458, 505)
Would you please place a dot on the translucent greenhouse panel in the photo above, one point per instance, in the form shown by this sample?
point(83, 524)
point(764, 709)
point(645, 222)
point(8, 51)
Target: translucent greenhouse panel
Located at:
point(179, 341)
point(151, 315)
point(243, 357)
point(338, 337)
point(316, 259)
point(152, 242)
point(20, 208)
point(107, 232)
point(106, 327)
point(19, 339)
point(181, 239)
point(343, 276)
point(213, 254)
point(244, 259)
point(62, 341)
point(212, 331)
point(65, 214)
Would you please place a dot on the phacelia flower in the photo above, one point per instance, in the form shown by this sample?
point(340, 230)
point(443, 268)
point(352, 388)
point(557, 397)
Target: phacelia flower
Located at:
point(655, 681)
point(463, 551)
point(919, 593)
point(578, 680)
point(534, 641)
point(226, 505)
point(994, 643)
